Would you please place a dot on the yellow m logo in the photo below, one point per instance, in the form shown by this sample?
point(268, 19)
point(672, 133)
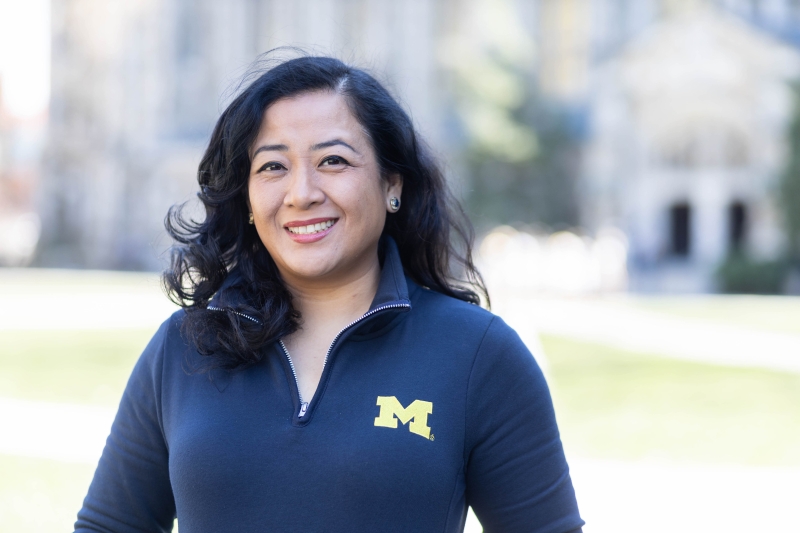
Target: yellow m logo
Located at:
point(417, 413)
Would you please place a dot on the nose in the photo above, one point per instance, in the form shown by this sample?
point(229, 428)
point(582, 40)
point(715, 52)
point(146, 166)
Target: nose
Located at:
point(303, 188)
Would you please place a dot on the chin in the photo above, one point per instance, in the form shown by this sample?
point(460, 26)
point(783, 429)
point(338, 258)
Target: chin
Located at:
point(310, 268)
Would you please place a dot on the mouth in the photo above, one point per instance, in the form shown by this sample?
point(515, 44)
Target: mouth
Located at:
point(310, 231)
point(310, 227)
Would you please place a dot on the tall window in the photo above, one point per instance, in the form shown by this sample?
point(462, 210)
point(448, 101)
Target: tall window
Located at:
point(195, 93)
point(680, 229)
point(755, 9)
point(737, 226)
point(794, 12)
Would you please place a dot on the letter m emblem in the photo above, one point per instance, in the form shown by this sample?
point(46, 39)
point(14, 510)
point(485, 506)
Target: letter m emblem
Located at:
point(416, 413)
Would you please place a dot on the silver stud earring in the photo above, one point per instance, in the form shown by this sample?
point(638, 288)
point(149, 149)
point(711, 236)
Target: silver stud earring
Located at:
point(250, 220)
point(394, 203)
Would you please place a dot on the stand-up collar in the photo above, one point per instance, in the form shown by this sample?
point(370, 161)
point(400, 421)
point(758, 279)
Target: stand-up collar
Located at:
point(392, 287)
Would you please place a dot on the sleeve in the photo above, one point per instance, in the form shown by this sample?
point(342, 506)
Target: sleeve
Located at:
point(517, 476)
point(131, 490)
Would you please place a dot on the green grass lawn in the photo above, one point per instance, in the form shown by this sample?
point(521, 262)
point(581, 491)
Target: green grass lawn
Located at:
point(89, 367)
point(68, 366)
point(615, 404)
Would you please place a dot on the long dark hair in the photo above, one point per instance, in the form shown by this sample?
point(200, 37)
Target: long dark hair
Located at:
point(223, 257)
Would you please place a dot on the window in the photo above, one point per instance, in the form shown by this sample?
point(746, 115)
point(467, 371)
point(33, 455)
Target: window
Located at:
point(680, 229)
point(737, 226)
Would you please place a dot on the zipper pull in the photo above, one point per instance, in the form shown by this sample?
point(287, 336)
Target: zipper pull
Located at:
point(303, 408)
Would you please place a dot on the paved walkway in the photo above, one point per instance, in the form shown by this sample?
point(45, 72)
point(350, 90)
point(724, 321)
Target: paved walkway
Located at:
point(62, 432)
point(664, 497)
point(114, 308)
point(653, 333)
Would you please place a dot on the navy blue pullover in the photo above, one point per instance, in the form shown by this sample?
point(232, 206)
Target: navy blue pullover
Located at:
point(425, 406)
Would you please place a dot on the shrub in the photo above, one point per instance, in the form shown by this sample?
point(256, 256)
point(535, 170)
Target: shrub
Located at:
point(741, 274)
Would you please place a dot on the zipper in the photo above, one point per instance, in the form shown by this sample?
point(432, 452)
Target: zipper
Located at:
point(248, 317)
point(304, 405)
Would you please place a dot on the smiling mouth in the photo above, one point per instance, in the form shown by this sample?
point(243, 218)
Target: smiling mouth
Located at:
point(311, 229)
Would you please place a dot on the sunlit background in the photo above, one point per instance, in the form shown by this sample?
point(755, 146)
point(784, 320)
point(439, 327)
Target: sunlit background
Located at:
point(632, 168)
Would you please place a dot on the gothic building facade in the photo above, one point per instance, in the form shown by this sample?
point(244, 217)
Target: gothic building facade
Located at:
point(681, 106)
point(138, 85)
point(687, 147)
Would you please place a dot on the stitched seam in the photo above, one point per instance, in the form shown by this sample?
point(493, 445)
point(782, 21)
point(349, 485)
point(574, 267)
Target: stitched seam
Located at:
point(163, 350)
point(450, 507)
point(394, 278)
point(466, 394)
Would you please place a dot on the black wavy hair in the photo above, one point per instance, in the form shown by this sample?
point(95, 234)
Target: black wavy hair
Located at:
point(222, 256)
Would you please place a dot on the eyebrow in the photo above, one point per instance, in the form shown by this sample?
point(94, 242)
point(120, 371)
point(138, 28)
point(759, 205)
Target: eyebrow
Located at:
point(271, 148)
point(318, 146)
point(333, 142)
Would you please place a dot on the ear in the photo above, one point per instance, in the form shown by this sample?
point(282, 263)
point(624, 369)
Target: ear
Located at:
point(394, 186)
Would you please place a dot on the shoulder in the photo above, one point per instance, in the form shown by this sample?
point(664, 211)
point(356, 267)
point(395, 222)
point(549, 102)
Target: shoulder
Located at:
point(166, 345)
point(168, 334)
point(448, 310)
point(452, 314)
point(496, 347)
point(484, 341)
point(169, 362)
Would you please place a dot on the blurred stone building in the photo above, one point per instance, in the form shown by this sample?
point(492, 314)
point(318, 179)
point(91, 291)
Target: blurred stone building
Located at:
point(689, 121)
point(684, 106)
point(680, 104)
point(24, 67)
point(138, 85)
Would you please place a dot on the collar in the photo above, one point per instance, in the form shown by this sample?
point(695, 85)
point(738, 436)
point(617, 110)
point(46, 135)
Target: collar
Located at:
point(392, 293)
point(392, 300)
point(393, 285)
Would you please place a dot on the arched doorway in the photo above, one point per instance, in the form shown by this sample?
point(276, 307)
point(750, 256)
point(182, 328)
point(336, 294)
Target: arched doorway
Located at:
point(680, 215)
point(737, 226)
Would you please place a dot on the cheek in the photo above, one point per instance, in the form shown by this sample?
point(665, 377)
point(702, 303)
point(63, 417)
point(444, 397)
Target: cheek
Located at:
point(374, 216)
point(366, 199)
point(264, 204)
point(263, 199)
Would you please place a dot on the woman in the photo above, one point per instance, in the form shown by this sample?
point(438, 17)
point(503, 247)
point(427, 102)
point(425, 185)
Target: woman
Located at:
point(327, 371)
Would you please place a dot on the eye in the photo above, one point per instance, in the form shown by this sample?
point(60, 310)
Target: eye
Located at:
point(272, 166)
point(334, 160)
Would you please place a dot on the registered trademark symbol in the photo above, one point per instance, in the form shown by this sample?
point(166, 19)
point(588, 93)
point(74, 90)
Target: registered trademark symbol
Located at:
point(431, 437)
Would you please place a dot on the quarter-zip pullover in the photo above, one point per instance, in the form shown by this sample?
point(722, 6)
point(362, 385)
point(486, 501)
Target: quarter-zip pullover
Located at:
point(426, 405)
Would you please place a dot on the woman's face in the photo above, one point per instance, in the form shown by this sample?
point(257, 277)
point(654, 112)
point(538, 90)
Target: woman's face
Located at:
point(318, 201)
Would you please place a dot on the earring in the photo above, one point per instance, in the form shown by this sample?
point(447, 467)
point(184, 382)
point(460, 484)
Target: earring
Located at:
point(250, 220)
point(394, 203)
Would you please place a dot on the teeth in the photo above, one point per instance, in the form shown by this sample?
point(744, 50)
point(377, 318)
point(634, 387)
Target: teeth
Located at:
point(312, 228)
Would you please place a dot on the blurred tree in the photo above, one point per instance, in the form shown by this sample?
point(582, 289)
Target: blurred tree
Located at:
point(739, 274)
point(790, 184)
point(539, 188)
point(520, 160)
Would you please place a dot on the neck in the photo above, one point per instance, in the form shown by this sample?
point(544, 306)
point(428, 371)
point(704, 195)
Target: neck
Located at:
point(336, 300)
